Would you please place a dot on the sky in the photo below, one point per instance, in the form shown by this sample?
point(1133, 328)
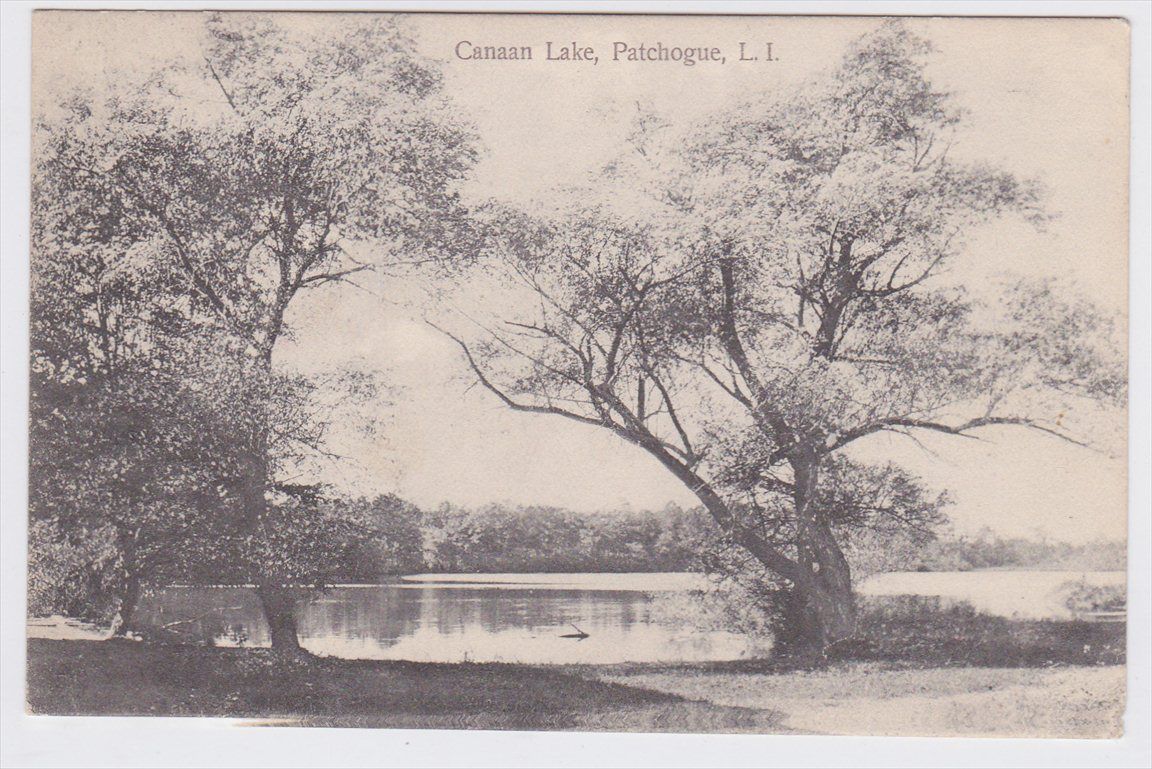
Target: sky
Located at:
point(1045, 98)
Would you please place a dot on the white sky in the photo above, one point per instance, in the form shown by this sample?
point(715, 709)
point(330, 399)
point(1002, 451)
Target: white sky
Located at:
point(1047, 99)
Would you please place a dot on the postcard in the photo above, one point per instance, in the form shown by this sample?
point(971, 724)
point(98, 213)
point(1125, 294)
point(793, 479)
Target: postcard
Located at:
point(677, 373)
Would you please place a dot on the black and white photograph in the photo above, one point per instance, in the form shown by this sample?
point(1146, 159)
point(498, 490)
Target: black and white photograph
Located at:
point(579, 372)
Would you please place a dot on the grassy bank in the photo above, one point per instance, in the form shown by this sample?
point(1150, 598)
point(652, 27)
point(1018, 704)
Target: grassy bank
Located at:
point(926, 633)
point(917, 669)
point(130, 678)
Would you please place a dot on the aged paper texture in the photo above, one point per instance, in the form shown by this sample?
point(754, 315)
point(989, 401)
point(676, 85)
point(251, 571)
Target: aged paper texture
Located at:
point(602, 372)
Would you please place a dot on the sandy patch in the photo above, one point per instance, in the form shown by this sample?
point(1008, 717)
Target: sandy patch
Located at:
point(58, 628)
point(956, 702)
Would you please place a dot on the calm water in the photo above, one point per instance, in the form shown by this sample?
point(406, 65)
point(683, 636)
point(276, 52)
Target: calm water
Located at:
point(482, 618)
point(522, 617)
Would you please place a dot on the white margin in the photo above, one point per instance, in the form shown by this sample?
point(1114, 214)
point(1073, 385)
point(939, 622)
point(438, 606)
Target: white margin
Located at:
point(196, 742)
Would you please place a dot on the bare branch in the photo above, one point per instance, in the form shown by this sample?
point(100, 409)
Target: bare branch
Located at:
point(959, 430)
point(219, 82)
point(508, 401)
point(320, 278)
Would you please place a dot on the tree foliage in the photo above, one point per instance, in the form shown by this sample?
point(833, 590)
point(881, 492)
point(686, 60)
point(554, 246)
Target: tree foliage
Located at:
point(750, 300)
point(502, 538)
point(179, 219)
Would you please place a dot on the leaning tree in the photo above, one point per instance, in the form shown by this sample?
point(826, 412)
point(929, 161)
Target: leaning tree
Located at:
point(250, 173)
point(775, 297)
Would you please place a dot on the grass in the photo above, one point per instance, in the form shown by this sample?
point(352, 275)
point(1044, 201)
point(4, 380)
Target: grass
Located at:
point(919, 669)
point(131, 678)
point(920, 631)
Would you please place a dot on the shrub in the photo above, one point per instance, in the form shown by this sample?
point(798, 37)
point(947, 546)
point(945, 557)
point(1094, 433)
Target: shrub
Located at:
point(930, 631)
point(1081, 596)
point(73, 576)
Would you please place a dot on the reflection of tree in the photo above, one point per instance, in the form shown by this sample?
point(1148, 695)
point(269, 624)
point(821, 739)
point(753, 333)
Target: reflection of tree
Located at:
point(445, 623)
point(204, 615)
point(379, 614)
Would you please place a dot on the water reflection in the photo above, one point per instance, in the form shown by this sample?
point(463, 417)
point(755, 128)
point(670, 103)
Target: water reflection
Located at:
point(438, 621)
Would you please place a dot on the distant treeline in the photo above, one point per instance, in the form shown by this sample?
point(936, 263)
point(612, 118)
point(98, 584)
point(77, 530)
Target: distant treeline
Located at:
point(988, 550)
point(515, 538)
point(505, 538)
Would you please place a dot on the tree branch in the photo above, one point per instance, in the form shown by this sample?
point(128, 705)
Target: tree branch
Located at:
point(508, 401)
point(959, 430)
point(326, 277)
point(220, 83)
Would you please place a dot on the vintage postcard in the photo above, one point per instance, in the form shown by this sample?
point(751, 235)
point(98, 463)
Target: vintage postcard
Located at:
point(683, 373)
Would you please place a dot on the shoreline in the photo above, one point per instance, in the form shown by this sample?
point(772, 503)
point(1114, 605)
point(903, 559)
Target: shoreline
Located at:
point(121, 677)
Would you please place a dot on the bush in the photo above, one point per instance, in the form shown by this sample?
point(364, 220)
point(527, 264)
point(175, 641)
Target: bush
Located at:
point(1081, 596)
point(73, 576)
point(932, 632)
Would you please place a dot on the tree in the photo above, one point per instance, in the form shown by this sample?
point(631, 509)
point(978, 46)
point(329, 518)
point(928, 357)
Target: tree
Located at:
point(392, 541)
point(126, 449)
point(774, 299)
point(249, 174)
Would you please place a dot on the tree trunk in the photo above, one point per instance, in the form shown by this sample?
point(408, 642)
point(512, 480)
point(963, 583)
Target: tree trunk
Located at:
point(277, 602)
point(279, 606)
point(823, 608)
point(125, 613)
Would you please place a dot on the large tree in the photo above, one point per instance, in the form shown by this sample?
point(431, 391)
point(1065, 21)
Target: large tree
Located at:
point(127, 444)
point(776, 297)
point(250, 174)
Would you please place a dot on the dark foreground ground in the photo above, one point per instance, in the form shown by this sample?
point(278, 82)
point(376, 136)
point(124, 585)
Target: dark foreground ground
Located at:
point(130, 678)
point(955, 674)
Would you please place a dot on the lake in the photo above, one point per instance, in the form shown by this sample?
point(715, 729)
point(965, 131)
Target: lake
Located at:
point(469, 617)
point(524, 617)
